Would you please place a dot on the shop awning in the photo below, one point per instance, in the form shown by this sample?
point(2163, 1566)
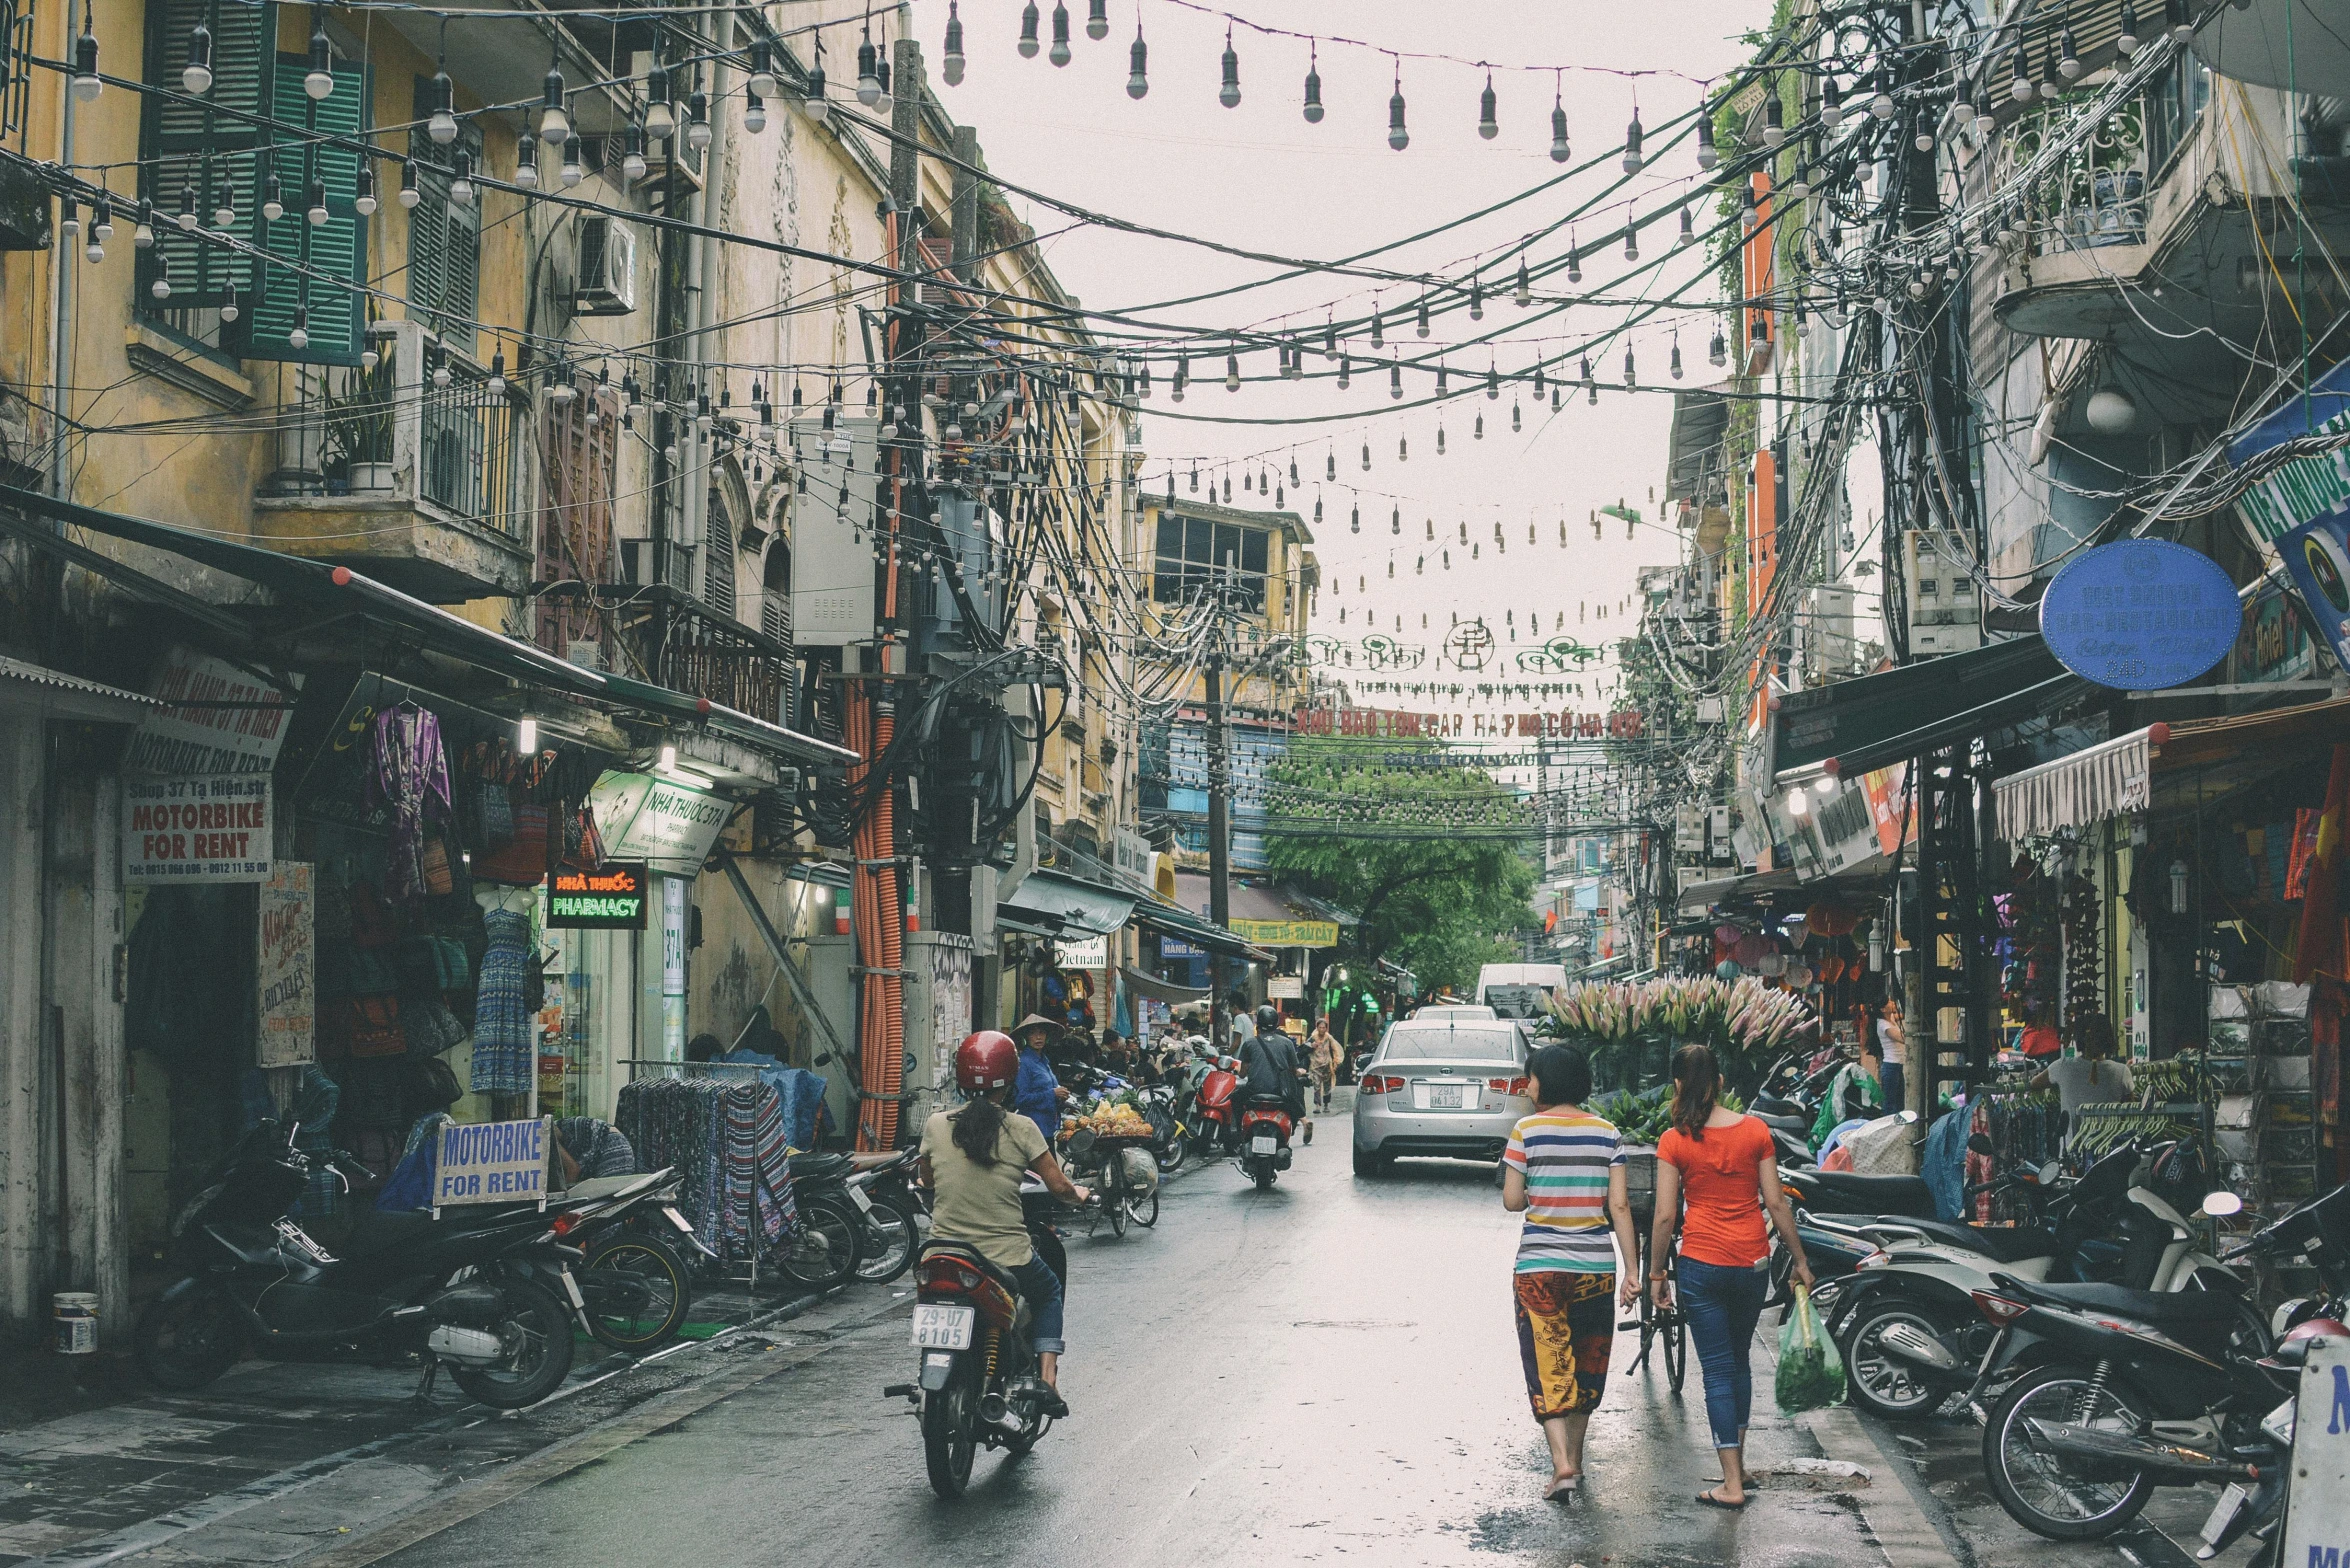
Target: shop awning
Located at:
point(1699, 897)
point(1159, 990)
point(2103, 781)
point(317, 584)
point(2165, 767)
point(1191, 928)
point(36, 688)
point(1866, 723)
point(1046, 901)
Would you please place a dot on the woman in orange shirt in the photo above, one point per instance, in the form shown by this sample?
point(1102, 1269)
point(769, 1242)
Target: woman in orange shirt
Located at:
point(1724, 1164)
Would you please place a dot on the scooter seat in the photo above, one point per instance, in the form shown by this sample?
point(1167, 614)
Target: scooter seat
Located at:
point(1844, 1192)
point(1794, 1124)
point(2006, 1243)
point(1267, 1102)
point(2181, 1308)
point(817, 1167)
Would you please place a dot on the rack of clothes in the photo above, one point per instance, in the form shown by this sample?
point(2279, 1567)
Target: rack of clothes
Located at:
point(728, 1141)
point(2026, 1128)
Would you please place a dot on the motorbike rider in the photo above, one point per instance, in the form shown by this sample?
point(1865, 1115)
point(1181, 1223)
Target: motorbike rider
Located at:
point(972, 1160)
point(1269, 1065)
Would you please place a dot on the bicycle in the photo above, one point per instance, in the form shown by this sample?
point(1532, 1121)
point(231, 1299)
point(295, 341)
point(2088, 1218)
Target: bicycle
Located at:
point(1667, 1324)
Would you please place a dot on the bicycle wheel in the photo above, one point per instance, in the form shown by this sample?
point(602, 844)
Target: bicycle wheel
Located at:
point(1677, 1350)
point(1114, 1192)
point(1143, 1208)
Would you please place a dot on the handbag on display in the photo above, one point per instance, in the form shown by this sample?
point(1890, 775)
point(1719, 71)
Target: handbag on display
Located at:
point(371, 1026)
point(439, 880)
point(522, 861)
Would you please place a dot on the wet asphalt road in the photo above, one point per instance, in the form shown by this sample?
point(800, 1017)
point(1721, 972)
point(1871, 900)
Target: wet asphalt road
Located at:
point(1323, 1373)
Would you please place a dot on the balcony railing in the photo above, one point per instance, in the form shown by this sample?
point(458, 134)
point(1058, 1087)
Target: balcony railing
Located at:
point(2096, 196)
point(422, 425)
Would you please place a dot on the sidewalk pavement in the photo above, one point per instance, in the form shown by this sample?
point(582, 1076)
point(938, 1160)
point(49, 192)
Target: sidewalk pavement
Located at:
point(88, 1448)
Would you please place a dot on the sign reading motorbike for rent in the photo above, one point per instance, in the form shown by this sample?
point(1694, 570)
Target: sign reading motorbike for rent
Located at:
point(492, 1162)
point(2317, 1513)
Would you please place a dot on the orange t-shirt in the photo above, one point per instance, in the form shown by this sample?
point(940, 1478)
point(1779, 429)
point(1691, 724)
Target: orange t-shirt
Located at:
point(1721, 1192)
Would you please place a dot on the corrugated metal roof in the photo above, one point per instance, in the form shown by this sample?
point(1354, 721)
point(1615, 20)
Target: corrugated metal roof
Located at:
point(18, 670)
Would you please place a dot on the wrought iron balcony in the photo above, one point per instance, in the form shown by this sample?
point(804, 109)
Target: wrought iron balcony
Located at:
point(391, 471)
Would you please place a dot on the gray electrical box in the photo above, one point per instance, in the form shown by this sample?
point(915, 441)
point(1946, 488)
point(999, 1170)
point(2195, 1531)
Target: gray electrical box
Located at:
point(834, 512)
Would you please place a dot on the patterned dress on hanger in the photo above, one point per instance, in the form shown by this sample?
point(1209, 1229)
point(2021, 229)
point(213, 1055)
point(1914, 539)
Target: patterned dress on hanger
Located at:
point(505, 1014)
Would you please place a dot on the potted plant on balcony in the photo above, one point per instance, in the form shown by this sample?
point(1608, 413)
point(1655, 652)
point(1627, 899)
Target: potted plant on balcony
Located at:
point(359, 431)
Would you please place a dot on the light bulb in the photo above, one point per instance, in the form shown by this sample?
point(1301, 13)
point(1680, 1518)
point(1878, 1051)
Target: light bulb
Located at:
point(1398, 137)
point(1030, 17)
point(1097, 19)
point(409, 194)
point(697, 123)
point(754, 113)
point(86, 83)
point(1229, 94)
point(273, 204)
point(1632, 140)
point(319, 80)
point(526, 736)
point(1137, 57)
point(441, 125)
point(1488, 125)
point(1560, 152)
point(761, 81)
point(299, 338)
point(526, 161)
point(196, 75)
point(315, 209)
point(363, 190)
point(952, 60)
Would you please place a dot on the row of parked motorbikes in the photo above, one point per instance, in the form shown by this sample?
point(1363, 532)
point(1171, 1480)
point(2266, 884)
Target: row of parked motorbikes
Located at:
point(493, 1292)
point(2105, 1352)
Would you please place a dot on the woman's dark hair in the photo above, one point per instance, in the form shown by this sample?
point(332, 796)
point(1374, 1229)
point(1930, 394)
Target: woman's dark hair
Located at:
point(704, 1048)
point(1561, 1074)
point(1697, 1084)
point(977, 1125)
point(2094, 1035)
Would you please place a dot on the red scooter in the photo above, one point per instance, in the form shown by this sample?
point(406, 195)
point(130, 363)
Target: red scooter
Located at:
point(1264, 1140)
point(1217, 1122)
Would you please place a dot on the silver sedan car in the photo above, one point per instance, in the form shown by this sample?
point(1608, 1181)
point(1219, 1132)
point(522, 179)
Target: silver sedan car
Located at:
point(1443, 1088)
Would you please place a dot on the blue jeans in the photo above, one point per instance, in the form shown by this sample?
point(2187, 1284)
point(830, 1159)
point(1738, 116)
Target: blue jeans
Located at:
point(1723, 1306)
point(1040, 1287)
point(1889, 1080)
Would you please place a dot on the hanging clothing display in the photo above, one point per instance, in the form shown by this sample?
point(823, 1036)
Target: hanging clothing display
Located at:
point(2025, 1130)
point(505, 1013)
point(408, 774)
point(727, 1142)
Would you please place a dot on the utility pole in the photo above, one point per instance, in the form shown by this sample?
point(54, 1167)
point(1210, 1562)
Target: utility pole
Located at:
point(1219, 827)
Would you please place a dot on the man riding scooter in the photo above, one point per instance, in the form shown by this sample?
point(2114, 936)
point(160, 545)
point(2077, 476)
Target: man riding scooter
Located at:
point(1269, 1067)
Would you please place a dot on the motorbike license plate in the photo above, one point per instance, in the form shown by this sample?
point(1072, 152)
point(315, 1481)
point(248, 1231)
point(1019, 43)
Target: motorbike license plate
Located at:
point(943, 1326)
point(1263, 1143)
point(864, 1204)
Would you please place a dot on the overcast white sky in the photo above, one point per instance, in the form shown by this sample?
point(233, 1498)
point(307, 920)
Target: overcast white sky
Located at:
point(1259, 176)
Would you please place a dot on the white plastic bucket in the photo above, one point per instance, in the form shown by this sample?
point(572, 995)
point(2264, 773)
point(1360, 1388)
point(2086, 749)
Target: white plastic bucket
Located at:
point(73, 1316)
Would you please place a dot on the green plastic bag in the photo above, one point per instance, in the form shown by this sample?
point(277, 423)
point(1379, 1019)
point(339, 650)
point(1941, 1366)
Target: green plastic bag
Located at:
point(1811, 1374)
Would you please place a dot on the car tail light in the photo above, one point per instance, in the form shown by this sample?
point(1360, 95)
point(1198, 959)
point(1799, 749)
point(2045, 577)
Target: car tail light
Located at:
point(1507, 1085)
point(1999, 1309)
point(1382, 1083)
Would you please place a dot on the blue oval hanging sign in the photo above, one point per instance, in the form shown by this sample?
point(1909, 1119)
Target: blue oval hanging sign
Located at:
point(2141, 615)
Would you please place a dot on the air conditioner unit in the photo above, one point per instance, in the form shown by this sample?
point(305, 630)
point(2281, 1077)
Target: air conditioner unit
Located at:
point(607, 269)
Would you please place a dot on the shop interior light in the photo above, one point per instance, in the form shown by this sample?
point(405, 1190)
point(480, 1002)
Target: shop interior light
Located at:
point(527, 736)
point(668, 759)
point(1798, 803)
point(1826, 786)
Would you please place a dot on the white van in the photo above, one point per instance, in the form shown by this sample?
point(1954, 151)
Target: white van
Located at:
point(1520, 990)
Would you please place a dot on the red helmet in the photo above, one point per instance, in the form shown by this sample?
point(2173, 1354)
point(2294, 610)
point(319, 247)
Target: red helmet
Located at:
point(986, 1060)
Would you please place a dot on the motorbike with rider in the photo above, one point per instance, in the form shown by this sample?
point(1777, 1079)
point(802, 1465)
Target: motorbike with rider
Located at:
point(987, 1316)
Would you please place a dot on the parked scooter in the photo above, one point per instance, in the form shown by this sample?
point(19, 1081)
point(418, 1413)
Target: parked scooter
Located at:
point(1217, 1106)
point(892, 1232)
point(636, 1285)
point(1908, 1328)
point(2111, 1392)
point(490, 1294)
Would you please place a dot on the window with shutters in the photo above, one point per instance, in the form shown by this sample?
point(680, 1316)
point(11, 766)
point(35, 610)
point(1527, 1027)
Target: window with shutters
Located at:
point(444, 239)
point(718, 556)
point(208, 165)
point(200, 164)
point(575, 529)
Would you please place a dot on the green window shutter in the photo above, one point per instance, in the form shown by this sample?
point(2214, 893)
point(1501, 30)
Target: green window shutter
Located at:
point(208, 145)
point(444, 239)
point(321, 265)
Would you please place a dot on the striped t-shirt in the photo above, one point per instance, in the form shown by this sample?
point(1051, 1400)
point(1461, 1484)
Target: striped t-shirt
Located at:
point(1565, 1156)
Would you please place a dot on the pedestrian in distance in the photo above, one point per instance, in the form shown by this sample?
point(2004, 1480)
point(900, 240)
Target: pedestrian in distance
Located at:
point(1324, 1055)
point(1564, 1170)
point(2092, 1077)
point(1716, 1173)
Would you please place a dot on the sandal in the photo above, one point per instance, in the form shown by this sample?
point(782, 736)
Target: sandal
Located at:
point(1562, 1489)
point(1711, 1501)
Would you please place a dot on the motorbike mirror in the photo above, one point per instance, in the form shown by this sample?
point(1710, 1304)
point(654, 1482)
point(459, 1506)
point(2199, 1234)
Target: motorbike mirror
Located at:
point(1980, 1143)
point(2220, 1205)
point(2051, 1174)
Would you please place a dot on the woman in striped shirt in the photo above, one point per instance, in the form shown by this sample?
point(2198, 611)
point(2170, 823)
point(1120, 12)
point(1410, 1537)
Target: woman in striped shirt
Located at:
point(1564, 1170)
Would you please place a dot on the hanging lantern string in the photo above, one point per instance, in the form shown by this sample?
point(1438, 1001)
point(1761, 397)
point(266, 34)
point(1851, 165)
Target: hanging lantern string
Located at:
point(1266, 30)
